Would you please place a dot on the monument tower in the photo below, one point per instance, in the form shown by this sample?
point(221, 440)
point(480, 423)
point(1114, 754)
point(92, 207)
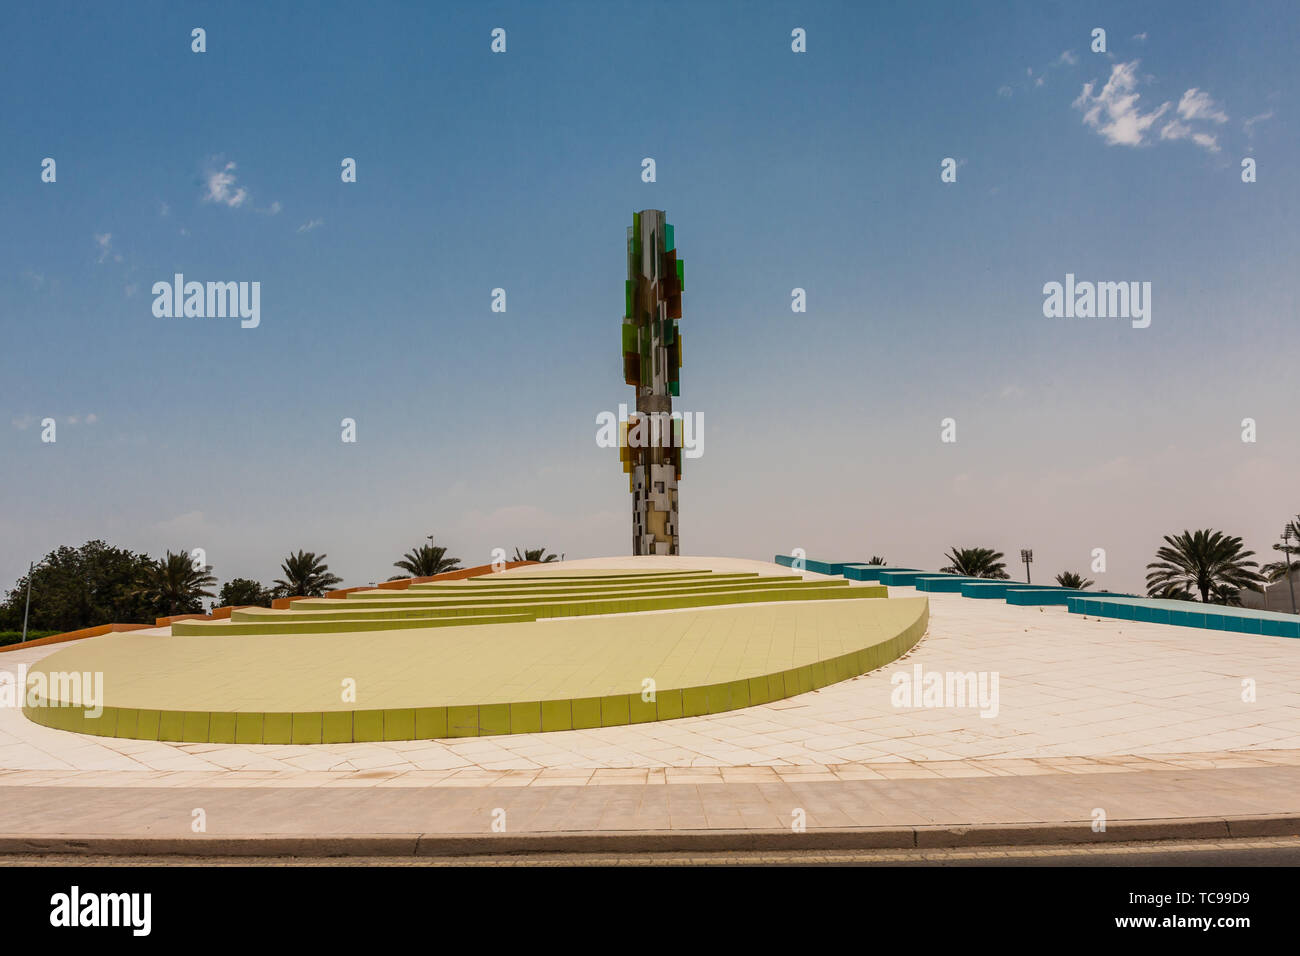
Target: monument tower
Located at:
point(650, 441)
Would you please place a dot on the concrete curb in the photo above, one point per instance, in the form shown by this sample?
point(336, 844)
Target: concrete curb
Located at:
point(658, 841)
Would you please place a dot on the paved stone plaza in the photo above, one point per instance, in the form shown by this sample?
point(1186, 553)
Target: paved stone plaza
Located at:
point(1076, 696)
point(1073, 692)
point(1147, 721)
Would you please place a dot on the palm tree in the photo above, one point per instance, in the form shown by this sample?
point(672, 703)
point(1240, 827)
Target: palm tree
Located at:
point(1276, 571)
point(535, 554)
point(1068, 579)
point(426, 560)
point(976, 563)
point(1206, 561)
point(876, 560)
point(174, 585)
point(1172, 592)
point(305, 575)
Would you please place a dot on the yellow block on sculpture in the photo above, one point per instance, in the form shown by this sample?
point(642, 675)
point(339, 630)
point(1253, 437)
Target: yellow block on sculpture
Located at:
point(415, 682)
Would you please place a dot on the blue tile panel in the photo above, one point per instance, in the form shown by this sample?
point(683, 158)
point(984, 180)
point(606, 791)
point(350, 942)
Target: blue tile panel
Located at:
point(1188, 614)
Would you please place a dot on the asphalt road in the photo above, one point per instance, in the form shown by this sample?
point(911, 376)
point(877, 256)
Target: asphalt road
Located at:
point(1273, 851)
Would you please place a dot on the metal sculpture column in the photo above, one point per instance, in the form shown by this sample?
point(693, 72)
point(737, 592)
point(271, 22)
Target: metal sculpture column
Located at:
point(650, 441)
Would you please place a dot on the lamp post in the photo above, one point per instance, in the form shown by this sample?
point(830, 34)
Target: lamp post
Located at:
point(28, 607)
point(1027, 556)
point(1286, 549)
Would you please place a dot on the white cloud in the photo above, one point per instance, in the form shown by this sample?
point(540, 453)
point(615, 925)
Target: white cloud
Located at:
point(221, 187)
point(1037, 79)
point(1140, 37)
point(1114, 112)
point(1197, 105)
point(311, 224)
point(105, 243)
point(1117, 115)
point(1249, 125)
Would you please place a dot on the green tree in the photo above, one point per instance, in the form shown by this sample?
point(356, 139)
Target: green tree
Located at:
point(243, 592)
point(1171, 592)
point(976, 563)
point(1069, 579)
point(877, 560)
point(81, 587)
point(1276, 571)
point(175, 586)
point(1207, 562)
point(305, 575)
point(425, 561)
point(535, 554)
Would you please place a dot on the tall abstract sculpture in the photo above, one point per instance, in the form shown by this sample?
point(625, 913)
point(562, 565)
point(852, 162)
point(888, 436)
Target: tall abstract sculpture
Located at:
point(650, 441)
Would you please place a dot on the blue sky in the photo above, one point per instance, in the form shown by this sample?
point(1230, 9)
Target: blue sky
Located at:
point(521, 170)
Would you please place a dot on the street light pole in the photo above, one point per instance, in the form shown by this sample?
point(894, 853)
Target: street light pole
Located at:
point(1286, 549)
point(1027, 556)
point(27, 609)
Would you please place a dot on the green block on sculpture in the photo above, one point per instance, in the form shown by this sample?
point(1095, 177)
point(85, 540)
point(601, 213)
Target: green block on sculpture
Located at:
point(430, 723)
point(126, 722)
point(462, 721)
point(399, 724)
point(367, 725)
point(248, 728)
point(586, 713)
point(493, 719)
point(277, 728)
point(557, 715)
point(336, 727)
point(307, 728)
